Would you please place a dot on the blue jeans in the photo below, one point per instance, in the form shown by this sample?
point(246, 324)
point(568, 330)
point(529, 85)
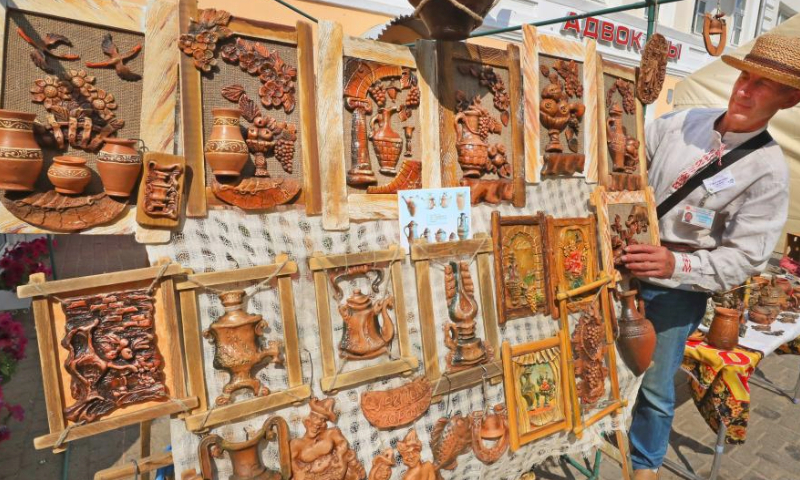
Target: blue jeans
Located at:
point(675, 314)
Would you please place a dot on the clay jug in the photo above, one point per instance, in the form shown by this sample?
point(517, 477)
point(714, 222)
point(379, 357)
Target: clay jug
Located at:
point(637, 338)
point(388, 144)
point(445, 21)
point(363, 336)
point(724, 331)
point(119, 164)
point(473, 152)
point(20, 155)
point(226, 151)
point(69, 175)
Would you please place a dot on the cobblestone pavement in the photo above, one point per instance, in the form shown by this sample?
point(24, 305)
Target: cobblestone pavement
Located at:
point(772, 450)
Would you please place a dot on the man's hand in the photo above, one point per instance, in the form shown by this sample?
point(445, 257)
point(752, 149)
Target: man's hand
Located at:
point(649, 261)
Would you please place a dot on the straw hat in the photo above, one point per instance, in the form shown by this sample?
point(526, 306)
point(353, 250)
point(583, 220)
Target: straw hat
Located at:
point(776, 57)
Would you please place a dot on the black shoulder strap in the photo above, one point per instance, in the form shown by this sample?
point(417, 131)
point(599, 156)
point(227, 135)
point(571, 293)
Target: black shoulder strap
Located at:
point(712, 169)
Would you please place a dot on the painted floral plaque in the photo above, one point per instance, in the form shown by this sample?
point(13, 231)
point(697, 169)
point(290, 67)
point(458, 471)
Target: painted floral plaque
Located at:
point(573, 255)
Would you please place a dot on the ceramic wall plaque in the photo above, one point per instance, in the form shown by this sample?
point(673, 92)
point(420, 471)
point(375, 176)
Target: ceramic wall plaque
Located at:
point(573, 256)
point(560, 83)
point(379, 134)
point(250, 104)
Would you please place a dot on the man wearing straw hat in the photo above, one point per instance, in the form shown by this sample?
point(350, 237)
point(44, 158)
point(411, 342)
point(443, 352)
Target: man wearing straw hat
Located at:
point(721, 184)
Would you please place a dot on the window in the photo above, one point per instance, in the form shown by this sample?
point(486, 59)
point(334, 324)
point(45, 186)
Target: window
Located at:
point(784, 14)
point(700, 8)
point(734, 24)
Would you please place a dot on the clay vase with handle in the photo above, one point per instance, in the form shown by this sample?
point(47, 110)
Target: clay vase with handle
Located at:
point(119, 164)
point(445, 21)
point(724, 330)
point(637, 337)
point(20, 156)
point(388, 144)
point(225, 149)
point(69, 175)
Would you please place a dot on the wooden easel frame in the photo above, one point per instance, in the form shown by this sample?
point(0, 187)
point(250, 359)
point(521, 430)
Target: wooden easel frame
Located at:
point(539, 222)
point(49, 347)
point(339, 206)
point(601, 199)
point(447, 53)
point(535, 44)
point(510, 387)
point(407, 363)
point(604, 68)
point(200, 197)
point(421, 254)
point(555, 226)
point(156, 20)
point(201, 419)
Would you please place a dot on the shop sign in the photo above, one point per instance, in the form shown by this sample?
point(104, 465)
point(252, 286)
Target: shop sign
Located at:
point(619, 35)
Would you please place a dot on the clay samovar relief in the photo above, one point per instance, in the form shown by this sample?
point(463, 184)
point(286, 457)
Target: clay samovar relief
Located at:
point(558, 115)
point(368, 329)
point(237, 346)
point(466, 349)
point(322, 452)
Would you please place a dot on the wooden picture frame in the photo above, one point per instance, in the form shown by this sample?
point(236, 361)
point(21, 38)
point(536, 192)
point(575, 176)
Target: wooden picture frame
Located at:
point(422, 254)
point(545, 358)
point(50, 324)
point(608, 206)
point(573, 256)
point(618, 133)
point(195, 101)
point(525, 237)
point(466, 159)
point(324, 268)
point(552, 159)
point(359, 183)
point(156, 20)
point(206, 416)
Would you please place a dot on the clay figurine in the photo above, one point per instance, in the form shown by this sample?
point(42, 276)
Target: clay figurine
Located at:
point(382, 465)
point(450, 438)
point(410, 448)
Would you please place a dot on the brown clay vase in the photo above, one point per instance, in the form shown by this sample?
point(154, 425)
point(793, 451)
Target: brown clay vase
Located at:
point(724, 331)
point(637, 337)
point(20, 155)
point(69, 174)
point(445, 21)
point(388, 143)
point(225, 149)
point(119, 164)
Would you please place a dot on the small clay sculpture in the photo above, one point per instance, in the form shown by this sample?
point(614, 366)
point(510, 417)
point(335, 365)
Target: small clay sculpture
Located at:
point(490, 427)
point(161, 195)
point(557, 114)
point(200, 42)
point(410, 449)
point(715, 26)
point(42, 48)
point(653, 69)
point(450, 438)
point(382, 465)
point(117, 59)
point(63, 213)
point(466, 349)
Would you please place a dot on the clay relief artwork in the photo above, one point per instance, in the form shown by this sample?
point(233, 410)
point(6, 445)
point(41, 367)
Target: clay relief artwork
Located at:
point(382, 465)
point(238, 348)
point(450, 438)
point(117, 59)
point(162, 193)
point(573, 255)
point(410, 449)
point(381, 99)
point(113, 358)
point(43, 48)
point(589, 350)
point(629, 226)
point(200, 42)
point(490, 435)
point(538, 389)
point(561, 111)
point(399, 406)
point(623, 147)
point(322, 453)
point(653, 69)
point(368, 329)
point(466, 348)
point(715, 26)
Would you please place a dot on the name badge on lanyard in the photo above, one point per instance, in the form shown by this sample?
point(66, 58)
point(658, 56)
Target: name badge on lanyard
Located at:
point(698, 216)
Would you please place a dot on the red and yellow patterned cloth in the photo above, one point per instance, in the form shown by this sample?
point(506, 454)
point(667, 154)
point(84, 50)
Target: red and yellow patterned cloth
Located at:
point(720, 387)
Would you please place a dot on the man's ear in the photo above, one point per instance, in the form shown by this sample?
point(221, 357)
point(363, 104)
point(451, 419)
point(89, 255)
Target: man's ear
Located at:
point(792, 98)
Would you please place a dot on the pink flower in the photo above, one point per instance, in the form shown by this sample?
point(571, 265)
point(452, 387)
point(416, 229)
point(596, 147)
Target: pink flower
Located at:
point(5, 433)
point(17, 412)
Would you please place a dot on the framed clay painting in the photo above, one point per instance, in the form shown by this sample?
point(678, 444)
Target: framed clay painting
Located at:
point(378, 136)
point(110, 351)
point(481, 142)
point(88, 87)
point(624, 218)
point(520, 265)
point(249, 113)
point(536, 384)
point(573, 256)
point(459, 350)
point(560, 78)
point(236, 343)
point(370, 323)
point(622, 161)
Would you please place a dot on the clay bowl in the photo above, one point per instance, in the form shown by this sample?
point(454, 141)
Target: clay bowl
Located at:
point(69, 174)
point(446, 22)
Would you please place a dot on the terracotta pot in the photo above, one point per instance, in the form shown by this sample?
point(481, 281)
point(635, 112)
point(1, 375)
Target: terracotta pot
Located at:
point(119, 164)
point(225, 149)
point(763, 315)
point(637, 338)
point(784, 284)
point(69, 175)
point(446, 22)
point(20, 155)
point(724, 331)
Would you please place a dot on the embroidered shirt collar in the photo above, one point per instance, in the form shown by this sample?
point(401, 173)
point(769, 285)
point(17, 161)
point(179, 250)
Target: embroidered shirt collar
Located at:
point(732, 140)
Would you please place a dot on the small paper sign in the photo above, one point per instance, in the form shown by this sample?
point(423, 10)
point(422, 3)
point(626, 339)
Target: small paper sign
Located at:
point(435, 214)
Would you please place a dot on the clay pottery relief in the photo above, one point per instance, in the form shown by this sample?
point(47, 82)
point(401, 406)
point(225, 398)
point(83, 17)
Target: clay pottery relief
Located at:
point(445, 21)
point(715, 26)
point(616, 138)
point(473, 152)
point(20, 155)
point(225, 149)
point(388, 144)
point(410, 449)
point(69, 175)
point(119, 164)
point(490, 427)
point(724, 331)
point(237, 346)
point(382, 465)
point(637, 338)
point(450, 438)
point(399, 406)
point(466, 349)
point(363, 336)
